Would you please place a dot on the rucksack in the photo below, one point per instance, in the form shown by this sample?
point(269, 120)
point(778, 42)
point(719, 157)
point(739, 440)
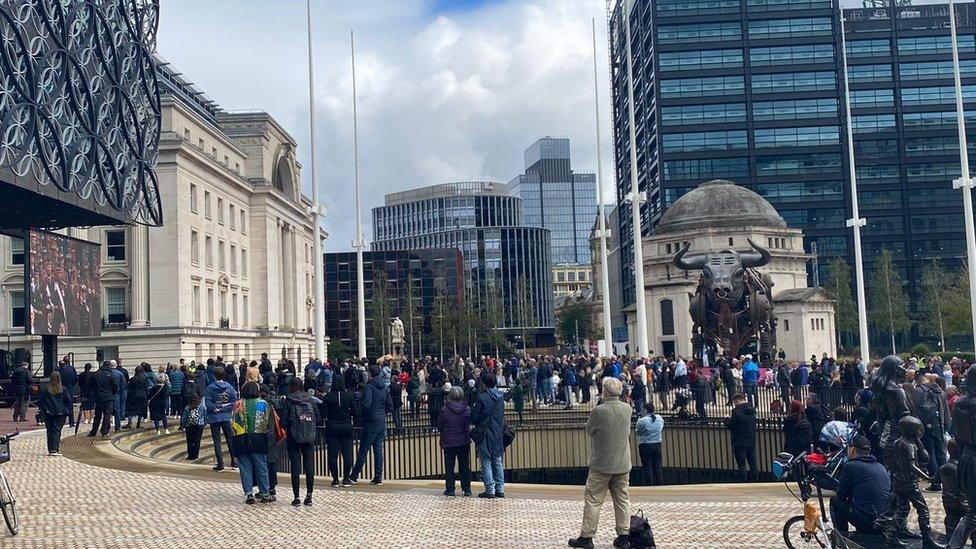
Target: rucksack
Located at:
point(640, 534)
point(301, 421)
point(929, 411)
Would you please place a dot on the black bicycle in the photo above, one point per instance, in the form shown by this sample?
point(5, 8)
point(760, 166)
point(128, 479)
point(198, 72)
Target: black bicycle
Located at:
point(811, 472)
point(8, 504)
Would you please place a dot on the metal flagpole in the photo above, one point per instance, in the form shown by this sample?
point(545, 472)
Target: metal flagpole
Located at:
point(316, 209)
point(604, 267)
point(856, 221)
point(965, 182)
point(358, 242)
point(635, 197)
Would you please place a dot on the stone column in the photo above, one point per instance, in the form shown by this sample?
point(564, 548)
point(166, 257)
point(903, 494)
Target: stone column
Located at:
point(288, 272)
point(139, 275)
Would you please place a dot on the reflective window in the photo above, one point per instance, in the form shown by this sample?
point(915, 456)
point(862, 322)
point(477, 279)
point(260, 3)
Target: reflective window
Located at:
point(884, 173)
point(705, 141)
point(888, 198)
point(783, 192)
point(872, 98)
point(933, 119)
point(797, 137)
point(868, 48)
point(703, 114)
point(935, 69)
point(763, 5)
point(873, 123)
point(699, 32)
point(697, 60)
point(673, 193)
point(932, 171)
point(797, 164)
point(876, 148)
point(794, 109)
point(935, 95)
point(707, 168)
point(793, 82)
point(667, 317)
point(790, 28)
point(695, 7)
point(814, 218)
point(869, 73)
point(699, 87)
point(934, 44)
point(788, 55)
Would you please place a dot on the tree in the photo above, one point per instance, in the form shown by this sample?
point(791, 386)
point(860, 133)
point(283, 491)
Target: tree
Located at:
point(526, 309)
point(839, 285)
point(888, 309)
point(959, 318)
point(380, 310)
point(936, 295)
point(575, 322)
point(411, 308)
point(494, 315)
point(439, 320)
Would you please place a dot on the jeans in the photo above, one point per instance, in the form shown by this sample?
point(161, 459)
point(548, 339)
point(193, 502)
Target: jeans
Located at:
point(750, 390)
point(461, 454)
point(254, 470)
point(103, 415)
point(300, 459)
point(935, 445)
point(372, 438)
point(743, 455)
point(844, 515)
point(335, 444)
point(163, 422)
point(175, 404)
point(397, 417)
point(568, 394)
point(492, 471)
point(650, 455)
point(194, 433)
point(53, 426)
point(215, 429)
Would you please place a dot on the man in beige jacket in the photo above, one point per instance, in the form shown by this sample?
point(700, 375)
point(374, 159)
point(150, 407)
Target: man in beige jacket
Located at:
point(609, 430)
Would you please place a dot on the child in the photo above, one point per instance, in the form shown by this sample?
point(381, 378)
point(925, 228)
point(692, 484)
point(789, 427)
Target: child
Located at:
point(517, 396)
point(902, 460)
point(192, 421)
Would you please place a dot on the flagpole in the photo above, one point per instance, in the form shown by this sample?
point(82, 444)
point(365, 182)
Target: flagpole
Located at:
point(856, 221)
point(358, 242)
point(965, 181)
point(604, 268)
point(316, 210)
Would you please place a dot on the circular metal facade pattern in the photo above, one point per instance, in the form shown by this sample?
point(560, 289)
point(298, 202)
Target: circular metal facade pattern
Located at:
point(79, 99)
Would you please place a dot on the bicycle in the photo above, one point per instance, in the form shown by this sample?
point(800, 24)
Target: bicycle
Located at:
point(812, 529)
point(8, 505)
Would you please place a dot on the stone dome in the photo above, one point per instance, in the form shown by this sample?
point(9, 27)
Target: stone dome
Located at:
point(719, 204)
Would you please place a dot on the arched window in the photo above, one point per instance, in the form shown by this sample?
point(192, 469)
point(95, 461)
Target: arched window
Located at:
point(283, 178)
point(667, 317)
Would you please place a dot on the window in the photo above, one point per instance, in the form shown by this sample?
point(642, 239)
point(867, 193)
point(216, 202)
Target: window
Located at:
point(220, 211)
point(703, 114)
point(233, 309)
point(868, 48)
point(244, 262)
point(186, 134)
point(765, 5)
point(872, 98)
point(935, 69)
point(670, 8)
point(934, 119)
point(232, 217)
point(194, 247)
point(208, 250)
point(873, 123)
point(793, 82)
point(572, 276)
point(193, 198)
point(115, 245)
point(115, 304)
point(934, 44)
point(935, 95)
point(243, 222)
point(794, 109)
point(706, 141)
point(815, 218)
point(221, 260)
point(698, 60)
point(196, 303)
point(879, 199)
point(702, 87)
point(233, 259)
point(561, 276)
point(708, 168)
point(210, 306)
point(793, 192)
point(797, 137)
point(237, 168)
point(201, 144)
point(226, 161)
point(213, 152)
point(223, 305)
point(244, 309)
point(869, 73)
point(206, 204)
point(699, 32)
point(667, 317)
point(790, 28)
point(790, 55)
point(883, 173)
point(16, 251)
point(17, 309)
point(786, 324)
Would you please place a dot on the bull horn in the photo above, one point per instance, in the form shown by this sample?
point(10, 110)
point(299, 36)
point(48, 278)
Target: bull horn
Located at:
point(755, 259)
point(695, 261)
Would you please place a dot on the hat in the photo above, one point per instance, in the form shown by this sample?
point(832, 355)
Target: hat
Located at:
point(861, 443)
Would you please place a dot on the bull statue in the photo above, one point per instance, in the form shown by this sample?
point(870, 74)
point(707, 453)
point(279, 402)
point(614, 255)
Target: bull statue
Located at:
point(733, 304)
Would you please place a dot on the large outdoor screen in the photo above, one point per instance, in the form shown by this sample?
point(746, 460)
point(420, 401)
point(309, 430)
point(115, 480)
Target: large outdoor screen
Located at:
point(63, 285)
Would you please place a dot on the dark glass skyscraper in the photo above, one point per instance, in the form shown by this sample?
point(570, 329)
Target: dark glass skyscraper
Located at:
point(557, 198)
point(752, 91)
point(501, 257)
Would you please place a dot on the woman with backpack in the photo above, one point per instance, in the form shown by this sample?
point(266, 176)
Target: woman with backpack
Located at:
point(54, 405)
point(192, 421)
point(299, 420)
point(454, 424)
point(249, 446)
point(339, 413)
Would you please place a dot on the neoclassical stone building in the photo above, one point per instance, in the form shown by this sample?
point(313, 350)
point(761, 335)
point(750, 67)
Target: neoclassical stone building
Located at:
point(230, 271)
point(720, 215)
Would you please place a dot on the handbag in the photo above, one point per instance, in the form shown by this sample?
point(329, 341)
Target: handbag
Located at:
point(479, 432)
point(279, 431)
point(508, 435)
point(640, 534)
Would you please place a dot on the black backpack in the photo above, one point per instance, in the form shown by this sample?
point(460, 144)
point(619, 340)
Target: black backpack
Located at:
point(301, 421)
point(640, 535)
point(929, 410)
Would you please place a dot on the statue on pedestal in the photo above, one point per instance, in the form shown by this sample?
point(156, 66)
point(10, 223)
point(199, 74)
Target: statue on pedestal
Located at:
point(396, 337)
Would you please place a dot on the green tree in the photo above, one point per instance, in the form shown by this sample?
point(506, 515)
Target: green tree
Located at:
point(936, 295)
point(380, 310)
point(494, 315)
point(959, 318)
point(440, 320)
point(412, 299)
point(839, 285)
point(525, 310)
point(575, 323)
point(888, 308)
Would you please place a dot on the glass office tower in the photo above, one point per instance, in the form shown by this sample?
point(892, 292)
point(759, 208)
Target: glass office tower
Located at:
point(501, 257)
point(752, 91)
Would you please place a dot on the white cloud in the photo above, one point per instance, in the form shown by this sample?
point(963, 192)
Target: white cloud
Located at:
point(441, 97)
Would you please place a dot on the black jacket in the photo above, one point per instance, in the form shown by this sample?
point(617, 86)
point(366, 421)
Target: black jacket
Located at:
point(799, 435)
point(376, 404)
point(54, 405)
point(818, 415)
point(339, 412)
point(103, 385)
point(20, 381)
point(69, 377)
point(865, 484)
point(742, 424)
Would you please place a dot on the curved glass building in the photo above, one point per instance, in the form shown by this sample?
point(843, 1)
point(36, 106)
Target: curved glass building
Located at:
point(502, 259)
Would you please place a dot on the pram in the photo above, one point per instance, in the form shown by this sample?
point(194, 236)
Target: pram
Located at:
point(682, 397)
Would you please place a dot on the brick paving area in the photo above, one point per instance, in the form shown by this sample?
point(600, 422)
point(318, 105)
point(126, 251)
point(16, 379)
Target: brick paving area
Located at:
point(67, 503)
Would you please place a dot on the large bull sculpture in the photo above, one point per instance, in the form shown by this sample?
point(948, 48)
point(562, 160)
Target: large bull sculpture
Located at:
point(733, 304)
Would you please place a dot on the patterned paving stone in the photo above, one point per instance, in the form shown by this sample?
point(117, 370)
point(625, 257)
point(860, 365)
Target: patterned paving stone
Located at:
point(68, 504)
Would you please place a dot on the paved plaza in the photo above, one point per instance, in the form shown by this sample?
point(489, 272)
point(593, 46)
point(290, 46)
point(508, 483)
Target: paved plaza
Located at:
point(96, 496)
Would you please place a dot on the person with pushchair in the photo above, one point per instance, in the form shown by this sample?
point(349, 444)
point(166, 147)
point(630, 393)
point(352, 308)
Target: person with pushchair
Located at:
point(862, 490)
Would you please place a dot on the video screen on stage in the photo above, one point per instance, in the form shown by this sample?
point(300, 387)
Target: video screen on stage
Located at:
point(63, 285)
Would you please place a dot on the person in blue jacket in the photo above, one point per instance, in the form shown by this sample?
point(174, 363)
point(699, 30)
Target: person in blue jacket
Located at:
point(376, 405)
point(488, 418)
point(750, 379)
point(220, 400)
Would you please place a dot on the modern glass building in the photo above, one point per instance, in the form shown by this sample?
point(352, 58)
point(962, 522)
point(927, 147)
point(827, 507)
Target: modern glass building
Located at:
point(503, 260)
point(423, 272)
point(752, 91)
point(555, 197)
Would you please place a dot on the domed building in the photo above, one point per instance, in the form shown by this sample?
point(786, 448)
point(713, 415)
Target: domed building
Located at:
point(720, 215)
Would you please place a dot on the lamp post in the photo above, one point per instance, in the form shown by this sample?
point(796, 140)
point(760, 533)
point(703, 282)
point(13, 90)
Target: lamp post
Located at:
point(965, 181)
point(358, 241)
point(604, 233)
point(856, 221)
point(316, 209)
point(635, 197)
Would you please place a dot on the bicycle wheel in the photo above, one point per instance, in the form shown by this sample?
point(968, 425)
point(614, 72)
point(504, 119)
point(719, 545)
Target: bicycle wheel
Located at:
point(8, 505)
point(797, 538)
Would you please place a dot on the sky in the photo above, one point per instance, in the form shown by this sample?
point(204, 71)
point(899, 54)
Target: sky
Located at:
point(448, 90)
